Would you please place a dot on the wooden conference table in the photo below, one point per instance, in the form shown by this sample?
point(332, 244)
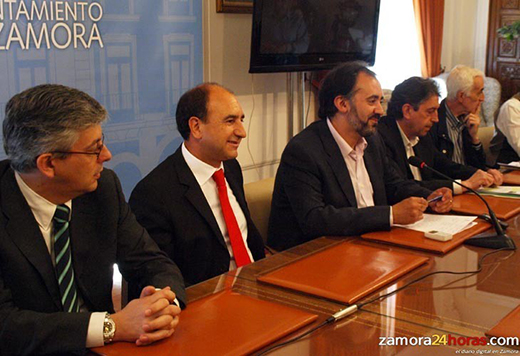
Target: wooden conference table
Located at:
point(439, 305)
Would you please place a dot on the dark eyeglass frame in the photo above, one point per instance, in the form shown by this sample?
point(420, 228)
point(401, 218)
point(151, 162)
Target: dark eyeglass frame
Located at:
point(97, 154)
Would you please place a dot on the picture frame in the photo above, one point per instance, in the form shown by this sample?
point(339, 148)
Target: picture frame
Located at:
point(235, 6)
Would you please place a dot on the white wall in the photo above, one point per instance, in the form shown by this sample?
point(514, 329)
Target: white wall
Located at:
point(227, 39)
point(465, 33)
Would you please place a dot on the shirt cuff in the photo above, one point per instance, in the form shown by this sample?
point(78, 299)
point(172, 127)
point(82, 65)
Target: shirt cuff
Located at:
point(478, 146)
point(391, 217)
point(95, 330)
point(457, 189)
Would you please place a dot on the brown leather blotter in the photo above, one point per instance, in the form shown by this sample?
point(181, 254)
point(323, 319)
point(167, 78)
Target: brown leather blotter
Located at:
point(345, 272)
point(507, 327)
point(504, 208)
point(512, 178)
point(416, 239)
point(225, 323)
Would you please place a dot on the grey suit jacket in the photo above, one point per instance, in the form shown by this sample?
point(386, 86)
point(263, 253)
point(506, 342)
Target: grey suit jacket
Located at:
point(103, 231)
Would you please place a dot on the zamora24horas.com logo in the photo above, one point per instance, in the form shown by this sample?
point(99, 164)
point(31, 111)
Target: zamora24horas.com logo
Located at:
point(451, 340)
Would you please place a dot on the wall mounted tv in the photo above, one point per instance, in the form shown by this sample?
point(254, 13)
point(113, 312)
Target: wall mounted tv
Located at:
point(306, 35)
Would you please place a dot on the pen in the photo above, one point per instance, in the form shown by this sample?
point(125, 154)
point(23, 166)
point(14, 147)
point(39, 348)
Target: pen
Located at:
point(433, 200)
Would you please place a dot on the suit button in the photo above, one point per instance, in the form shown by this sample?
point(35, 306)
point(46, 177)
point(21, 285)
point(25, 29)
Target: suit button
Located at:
point(444, 151)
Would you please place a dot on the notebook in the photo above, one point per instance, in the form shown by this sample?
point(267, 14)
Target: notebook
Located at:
point(225, 323)
point(345, 272)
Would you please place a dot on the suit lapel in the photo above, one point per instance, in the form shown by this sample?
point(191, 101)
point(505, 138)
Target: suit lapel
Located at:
point(23, 229)
point(337, 162)
point(237, 189)
point(371, 158)
point(195, 195)
point(83, 230)
point(397, 140)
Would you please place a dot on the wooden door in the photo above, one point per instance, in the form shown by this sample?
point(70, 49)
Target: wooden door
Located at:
point(503, 57)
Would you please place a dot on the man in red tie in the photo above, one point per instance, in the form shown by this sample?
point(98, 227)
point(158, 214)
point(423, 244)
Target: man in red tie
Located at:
point(193, 204)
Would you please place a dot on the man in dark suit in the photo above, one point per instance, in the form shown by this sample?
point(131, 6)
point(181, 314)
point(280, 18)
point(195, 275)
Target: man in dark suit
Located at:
point(334, 177)
point(180, 202)
point(456, 133)
point(412, 111)
point(64, 223)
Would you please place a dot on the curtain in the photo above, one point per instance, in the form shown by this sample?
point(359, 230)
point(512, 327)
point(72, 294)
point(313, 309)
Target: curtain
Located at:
point(429, 17)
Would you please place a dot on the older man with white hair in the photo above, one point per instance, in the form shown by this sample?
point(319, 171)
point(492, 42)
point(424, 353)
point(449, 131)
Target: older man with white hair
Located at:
point(455, 135)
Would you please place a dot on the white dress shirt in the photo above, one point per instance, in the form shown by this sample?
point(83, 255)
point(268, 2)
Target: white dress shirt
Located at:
point(508, 122)
point(203, 173)
point(408, 146)
point(43, 211)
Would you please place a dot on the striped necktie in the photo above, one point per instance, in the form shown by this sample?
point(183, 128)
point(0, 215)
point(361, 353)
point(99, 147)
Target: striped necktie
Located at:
point(63, 259)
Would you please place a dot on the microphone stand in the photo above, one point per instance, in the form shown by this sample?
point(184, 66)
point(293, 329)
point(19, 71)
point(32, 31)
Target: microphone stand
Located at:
point(500, 240)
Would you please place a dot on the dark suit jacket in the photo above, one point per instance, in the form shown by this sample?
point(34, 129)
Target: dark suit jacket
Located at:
point(474, 156)
point(170, 204)
point(103, 231)
point(426, 151)
point(313, 193)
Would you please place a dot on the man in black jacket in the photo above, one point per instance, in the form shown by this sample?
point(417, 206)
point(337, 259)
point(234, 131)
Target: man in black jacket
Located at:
point(335, 178)
point(412, 111)
point(456, 133)
point(64, 223)
point(180, 203)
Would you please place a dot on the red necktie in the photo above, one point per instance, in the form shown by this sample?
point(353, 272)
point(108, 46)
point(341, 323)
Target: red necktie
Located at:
point(235, 236)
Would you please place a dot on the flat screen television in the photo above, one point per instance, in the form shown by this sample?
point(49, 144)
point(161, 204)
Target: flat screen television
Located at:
point(306, 35)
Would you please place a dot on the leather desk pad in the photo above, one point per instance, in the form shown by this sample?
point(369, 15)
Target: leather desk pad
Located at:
point(416, 239)
point(507, 327)
point(225, 323)
point(512, 178)
point(346, 272)
point(504, 208)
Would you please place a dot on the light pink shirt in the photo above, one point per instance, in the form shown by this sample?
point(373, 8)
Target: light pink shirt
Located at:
point(356, 168)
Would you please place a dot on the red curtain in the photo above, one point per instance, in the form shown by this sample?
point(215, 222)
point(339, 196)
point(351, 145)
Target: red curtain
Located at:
point(429, 17)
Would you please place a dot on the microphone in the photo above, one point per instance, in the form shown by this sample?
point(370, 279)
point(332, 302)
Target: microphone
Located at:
point(498, 241)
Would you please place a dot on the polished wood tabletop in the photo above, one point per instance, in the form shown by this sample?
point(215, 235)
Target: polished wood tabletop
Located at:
point(438, 307)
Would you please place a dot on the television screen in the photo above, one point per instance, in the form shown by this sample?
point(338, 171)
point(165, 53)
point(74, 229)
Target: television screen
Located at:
point(304, 35)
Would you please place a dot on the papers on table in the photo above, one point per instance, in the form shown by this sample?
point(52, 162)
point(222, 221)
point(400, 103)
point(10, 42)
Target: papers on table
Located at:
point(450, 224)
point(505, 191)
point(510, 165)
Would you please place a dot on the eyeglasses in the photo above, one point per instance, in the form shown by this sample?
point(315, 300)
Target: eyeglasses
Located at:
point(96, 153)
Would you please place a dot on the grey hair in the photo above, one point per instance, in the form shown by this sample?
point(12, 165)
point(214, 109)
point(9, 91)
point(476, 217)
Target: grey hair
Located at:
point(44, 119)
point(461, 78)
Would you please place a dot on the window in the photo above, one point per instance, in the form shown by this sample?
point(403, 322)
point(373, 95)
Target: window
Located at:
point(397, 53)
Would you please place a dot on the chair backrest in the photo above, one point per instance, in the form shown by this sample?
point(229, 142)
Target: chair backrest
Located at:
point(485, 134)
point(259, 195)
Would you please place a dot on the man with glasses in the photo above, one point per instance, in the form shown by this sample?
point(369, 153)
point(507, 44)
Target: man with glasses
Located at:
point(64, 223)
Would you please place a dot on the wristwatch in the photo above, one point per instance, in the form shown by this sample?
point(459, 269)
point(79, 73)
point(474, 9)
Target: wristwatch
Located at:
point(109, 329)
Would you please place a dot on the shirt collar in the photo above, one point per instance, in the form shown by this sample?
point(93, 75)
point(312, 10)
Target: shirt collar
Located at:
point(407, 142)
point(201, 170)
point(455, 123)
point(344, 147)
point(42, 209)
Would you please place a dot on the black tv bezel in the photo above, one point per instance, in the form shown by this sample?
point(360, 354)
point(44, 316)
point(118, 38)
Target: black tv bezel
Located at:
point(279, 63)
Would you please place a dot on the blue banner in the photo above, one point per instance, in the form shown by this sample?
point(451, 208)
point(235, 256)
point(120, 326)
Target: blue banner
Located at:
point(135, 57)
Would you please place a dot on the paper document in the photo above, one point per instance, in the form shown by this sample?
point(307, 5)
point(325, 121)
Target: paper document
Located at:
point(450, 224)
point(510, 165)
point(505, 191)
